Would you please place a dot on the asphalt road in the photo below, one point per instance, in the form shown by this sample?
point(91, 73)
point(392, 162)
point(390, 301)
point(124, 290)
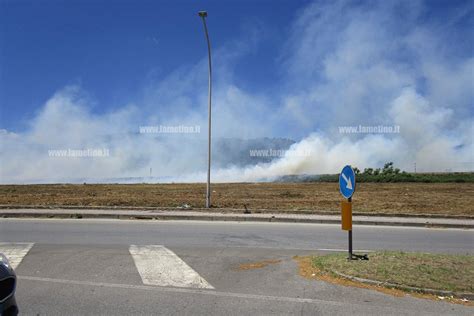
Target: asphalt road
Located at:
point(85, 267)
point(234, 234)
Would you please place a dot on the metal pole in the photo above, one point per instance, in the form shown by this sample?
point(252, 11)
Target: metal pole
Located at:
point(350, 245)
point(350, 236)
point(203, 15)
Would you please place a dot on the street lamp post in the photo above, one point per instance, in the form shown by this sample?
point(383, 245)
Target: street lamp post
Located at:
point(203, 15)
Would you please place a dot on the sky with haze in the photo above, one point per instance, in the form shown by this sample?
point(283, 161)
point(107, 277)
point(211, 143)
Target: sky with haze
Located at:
point(88, 74)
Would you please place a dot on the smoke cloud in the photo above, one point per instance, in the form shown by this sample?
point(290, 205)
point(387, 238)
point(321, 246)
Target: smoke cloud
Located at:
point(345, 64)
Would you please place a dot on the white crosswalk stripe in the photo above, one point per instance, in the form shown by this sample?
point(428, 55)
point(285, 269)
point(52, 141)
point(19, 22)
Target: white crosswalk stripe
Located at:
point(15, 252)
point(160, 266)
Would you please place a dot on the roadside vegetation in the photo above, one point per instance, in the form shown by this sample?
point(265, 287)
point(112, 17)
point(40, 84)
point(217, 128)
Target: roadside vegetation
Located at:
point(389, 173)
point(443, 272)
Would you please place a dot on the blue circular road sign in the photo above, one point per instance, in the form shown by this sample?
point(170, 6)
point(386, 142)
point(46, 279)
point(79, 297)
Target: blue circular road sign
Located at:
point(347, 182)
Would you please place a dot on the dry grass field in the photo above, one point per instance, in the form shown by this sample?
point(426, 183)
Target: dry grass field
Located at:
point(388, 198)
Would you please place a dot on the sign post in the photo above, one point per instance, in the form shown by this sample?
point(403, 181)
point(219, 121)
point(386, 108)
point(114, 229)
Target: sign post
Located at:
point(346, 221)
point(347, 186)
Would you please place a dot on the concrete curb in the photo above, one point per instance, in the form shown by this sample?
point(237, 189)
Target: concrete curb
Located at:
point(468, 296)
point(224, 217)
point(229, 211)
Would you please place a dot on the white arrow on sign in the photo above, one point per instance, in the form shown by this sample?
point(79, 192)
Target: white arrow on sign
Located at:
point(348, 181)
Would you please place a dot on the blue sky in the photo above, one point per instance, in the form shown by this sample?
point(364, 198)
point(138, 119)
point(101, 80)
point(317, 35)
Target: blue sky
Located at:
point(87, 74)
point(112, 49)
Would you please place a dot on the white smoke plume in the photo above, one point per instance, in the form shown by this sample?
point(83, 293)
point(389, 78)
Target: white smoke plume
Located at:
point(345, 64)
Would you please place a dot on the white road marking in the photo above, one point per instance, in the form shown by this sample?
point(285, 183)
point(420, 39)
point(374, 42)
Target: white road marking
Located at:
point(15, 252)
point(160, 266)
point(303, 249)
point(343, 250)
point(189, 291)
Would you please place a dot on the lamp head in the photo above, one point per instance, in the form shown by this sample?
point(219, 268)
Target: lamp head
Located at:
point(202, 14)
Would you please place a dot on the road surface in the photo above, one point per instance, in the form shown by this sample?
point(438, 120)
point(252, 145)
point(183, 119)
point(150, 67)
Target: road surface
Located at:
point(112, 267)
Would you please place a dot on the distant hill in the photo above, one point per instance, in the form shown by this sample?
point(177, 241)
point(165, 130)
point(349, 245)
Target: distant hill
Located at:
point(236, 152)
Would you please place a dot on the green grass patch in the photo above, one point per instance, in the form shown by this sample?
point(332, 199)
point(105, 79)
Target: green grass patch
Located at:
point(431, 271)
